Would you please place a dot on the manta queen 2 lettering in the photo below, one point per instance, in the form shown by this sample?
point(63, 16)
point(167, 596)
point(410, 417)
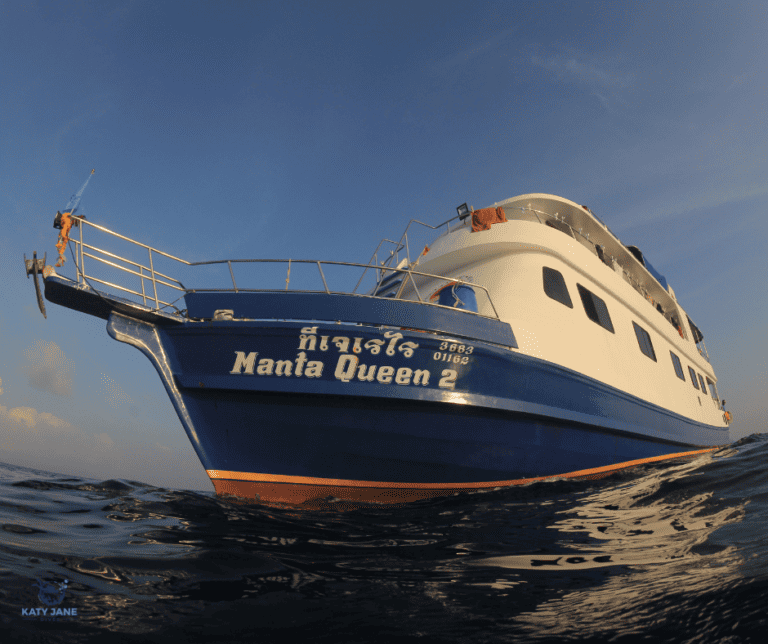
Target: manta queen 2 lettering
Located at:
point(348, 365)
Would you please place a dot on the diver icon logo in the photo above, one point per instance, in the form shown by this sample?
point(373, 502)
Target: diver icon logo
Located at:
point(51, 594)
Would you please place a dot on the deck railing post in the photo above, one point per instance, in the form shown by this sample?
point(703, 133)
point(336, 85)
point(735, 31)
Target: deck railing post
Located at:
point(354, 290)
point(141, 279)
point(320, 268)
point(77, 263)
point(82, 265)
point(415, 288)
point(154, 283)
point(229, 263)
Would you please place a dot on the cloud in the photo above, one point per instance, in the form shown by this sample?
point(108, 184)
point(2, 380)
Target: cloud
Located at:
point(605, 84)
point(104, 440)
point(49, 440)
point(603, 100)
point(116, 397)
point(572, 70)
point(466, 53)
point(44, 441)
point(49, 369)
point(26, 428)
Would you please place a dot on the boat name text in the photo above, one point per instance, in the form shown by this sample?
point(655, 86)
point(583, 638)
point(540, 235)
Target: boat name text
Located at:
point(348, 367)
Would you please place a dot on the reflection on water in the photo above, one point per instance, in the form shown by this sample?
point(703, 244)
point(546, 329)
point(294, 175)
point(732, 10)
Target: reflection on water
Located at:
point(674, 552)
point(656, 532)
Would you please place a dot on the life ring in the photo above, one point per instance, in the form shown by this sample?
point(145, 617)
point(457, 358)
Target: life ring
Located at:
point(436, 295)
point(456, 294)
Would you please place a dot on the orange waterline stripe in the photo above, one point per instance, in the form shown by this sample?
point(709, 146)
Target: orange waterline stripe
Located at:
point(310, 480)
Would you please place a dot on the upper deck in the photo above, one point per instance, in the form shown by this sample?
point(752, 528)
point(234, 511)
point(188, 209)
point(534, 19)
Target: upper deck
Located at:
point(579, 223)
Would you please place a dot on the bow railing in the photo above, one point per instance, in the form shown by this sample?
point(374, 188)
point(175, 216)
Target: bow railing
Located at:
point(152, 283)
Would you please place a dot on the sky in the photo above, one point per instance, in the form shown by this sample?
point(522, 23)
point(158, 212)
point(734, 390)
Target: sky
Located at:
point(312, 130)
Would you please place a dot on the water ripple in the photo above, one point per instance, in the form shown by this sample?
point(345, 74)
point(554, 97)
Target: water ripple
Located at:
point(670, 552)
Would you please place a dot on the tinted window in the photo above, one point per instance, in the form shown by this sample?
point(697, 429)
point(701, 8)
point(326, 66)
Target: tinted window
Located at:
point(678, 366)
point(712, 389)
point(595, 308)
point(694, 379)
point(644, 340)
point(560, 225)
point(703, 386)
point(554, 286)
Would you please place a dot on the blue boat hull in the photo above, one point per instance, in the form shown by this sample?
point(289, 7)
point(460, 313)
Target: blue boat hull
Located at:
point(345, 430)
point(292, 412)
point(281, 447)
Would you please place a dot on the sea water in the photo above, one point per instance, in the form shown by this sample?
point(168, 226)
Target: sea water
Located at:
point(673, 552)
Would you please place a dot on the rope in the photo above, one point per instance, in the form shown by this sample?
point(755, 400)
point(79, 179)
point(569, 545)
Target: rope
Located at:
point(61, 244)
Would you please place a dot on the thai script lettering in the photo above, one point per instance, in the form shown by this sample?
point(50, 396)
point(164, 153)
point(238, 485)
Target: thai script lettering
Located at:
point(308, 342)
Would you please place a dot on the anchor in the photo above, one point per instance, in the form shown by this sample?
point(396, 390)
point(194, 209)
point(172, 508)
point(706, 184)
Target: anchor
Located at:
point(35, 266)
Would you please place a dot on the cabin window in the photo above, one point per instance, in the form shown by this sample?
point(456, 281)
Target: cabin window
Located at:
point(697, 335)
point(703, 386)
point(560, 225)
point(554, 286)
point(644, 340)
point(694, 379)
point(595, 308)
point(713, 390)
point(678, 366)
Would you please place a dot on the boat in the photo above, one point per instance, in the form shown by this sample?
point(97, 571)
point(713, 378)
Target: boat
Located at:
point(525, 342)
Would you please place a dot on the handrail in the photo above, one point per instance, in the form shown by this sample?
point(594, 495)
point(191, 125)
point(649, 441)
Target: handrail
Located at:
point(83, 278)
point(585, 240)
point(155, 276)
point(128, 239)
point(408, 272)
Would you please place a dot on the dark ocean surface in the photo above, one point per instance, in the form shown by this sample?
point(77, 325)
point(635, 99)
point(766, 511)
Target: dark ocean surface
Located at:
point(675, 553)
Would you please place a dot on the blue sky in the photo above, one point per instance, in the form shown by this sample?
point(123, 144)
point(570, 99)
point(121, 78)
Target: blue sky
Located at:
point(312, 130)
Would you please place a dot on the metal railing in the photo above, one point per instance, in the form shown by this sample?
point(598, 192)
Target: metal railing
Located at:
point(406, 272)
point(402, 244)
point(152, 275)
point(149, 276)
point(602, 255)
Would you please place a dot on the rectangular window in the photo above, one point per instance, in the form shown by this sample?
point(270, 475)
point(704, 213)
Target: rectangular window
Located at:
point(694, 379)
point(697, 336)
point(595, 308)
point(678, 366)
point(713, 391)
point(644, 340)
point(554, 286)
point(561, 226)
point(703, 386)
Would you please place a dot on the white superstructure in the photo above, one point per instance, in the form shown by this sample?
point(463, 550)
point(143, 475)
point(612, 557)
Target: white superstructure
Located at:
point(545, 231)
